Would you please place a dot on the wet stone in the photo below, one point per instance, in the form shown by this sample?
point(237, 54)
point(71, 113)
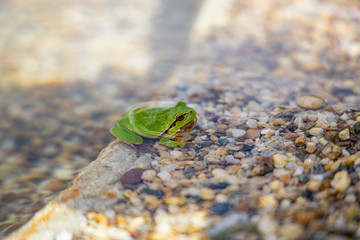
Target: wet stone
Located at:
point(189, 172)
point(220, 208)
point(132, 176)
point(247, 148)
point(252, 133)
point(157, 194)
point(310, 102)
point(237, 133)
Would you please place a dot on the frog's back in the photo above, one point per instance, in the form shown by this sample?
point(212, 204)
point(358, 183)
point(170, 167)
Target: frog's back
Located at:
point(150, 122)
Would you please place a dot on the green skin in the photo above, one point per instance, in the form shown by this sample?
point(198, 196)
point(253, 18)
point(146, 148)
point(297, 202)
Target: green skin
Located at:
point(166, 123)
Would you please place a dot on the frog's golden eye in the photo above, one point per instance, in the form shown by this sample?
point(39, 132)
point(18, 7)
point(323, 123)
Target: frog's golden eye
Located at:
point(180, 117)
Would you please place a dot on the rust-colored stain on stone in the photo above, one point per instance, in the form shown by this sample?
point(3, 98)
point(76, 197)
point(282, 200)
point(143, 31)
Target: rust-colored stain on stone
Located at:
point(110, 195)
point(70, 194)
point(33, 226)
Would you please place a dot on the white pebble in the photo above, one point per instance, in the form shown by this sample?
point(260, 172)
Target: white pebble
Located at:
point(237, 133)
point(166, 176)
point(64, 174)
point(251, 123)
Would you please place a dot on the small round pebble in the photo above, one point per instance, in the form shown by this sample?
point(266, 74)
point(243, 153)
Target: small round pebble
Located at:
point(220, 208)
point(238, 133)
point(166, 176)
point(251, 123)
point(253, 133)
point(291, 230)
point(132, 176)
point(176, 154)
point(207, 194)
point(313, 185)
point(310, 102)
point(148, 175)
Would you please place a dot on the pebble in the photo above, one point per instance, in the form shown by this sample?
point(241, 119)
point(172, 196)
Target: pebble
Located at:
point(344, 134)
point(291, 136)
point(300, 140)
point(176, 154)
point(220, 208)
point(238, 133)
point(251, 123)
point(252, 133)
point(219, 174)
point(267, 132)
point(207, 194)
point(239, 155)
point(276, 185)
point(313, 185)
point(279, 159)
point(291, 230)
point(221, 151)
point(148, 175)
point(278, 172)
point(267, 225)
point(64, 174)
point(310, 147)
point(132, 176)
point(166, 176)
point(310, 102)
point(267, 201)
point(316, 131)
point(341, 181)
point(55, 185)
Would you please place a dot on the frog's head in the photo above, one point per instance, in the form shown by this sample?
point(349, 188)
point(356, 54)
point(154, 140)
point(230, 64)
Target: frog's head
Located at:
point(184, 121)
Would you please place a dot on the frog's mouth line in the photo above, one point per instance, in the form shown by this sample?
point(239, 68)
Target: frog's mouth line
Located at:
point(187, 127)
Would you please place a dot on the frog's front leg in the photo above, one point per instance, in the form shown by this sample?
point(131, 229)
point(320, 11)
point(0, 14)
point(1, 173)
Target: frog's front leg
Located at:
point(170, 143)
point(126, 135)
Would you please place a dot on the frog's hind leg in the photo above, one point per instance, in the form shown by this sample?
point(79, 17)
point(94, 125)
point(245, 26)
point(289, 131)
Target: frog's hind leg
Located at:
point(170, 143)
point(126, 135)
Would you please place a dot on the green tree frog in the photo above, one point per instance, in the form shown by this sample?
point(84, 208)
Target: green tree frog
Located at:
point(160, 122)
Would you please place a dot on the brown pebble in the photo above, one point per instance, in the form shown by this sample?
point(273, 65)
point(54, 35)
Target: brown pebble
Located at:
point(252, 133)
point(55, 185)
point(132, 176)
point(304, 217)
point(291, 136)
point(300, 140)
point(221, 127)
point(329, 135)
point(285, 178)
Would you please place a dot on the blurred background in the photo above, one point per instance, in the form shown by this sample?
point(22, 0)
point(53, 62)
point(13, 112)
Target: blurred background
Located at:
point(69, 69)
